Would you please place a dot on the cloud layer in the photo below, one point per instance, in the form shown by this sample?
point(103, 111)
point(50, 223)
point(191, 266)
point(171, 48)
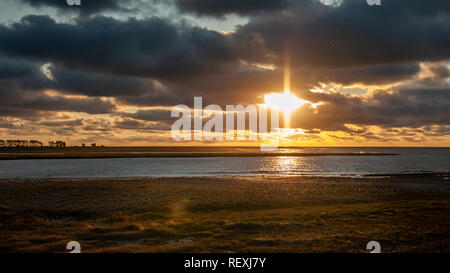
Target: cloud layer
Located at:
point(376, 67)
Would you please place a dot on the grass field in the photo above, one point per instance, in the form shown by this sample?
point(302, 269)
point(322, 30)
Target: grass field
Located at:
point(253, 214)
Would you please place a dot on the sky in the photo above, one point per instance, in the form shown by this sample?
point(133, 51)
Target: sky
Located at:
point(110, 71)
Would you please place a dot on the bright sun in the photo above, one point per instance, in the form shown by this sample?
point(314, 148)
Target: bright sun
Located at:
point(286, 102)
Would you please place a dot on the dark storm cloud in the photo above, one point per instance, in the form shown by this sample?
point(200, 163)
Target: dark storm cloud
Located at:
point(405, 107)
point(353, 34)
point(151, 115)
point(244, 85)
point(151, 47)
point(87, 6)
point(346, 44)
point(42, 102)
point(11, 68)
point(248, 7)
point(97, 84)
point(17, 74)
point(378, 74)
point(155, 61)
point(25, 97)
point(223, 7)
point(158, 99)
point(22, 92)
point(137, 124)
point(413, 107)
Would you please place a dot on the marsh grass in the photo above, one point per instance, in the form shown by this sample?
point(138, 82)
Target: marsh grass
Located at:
point(226, 215)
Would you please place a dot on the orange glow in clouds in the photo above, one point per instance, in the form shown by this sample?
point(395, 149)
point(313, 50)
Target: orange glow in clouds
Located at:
point(286, 101)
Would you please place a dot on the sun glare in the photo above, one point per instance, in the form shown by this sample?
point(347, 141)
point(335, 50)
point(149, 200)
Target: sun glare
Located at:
point(286, 101)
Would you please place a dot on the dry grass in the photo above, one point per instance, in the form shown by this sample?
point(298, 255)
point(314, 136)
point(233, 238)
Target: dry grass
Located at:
point(405, 214)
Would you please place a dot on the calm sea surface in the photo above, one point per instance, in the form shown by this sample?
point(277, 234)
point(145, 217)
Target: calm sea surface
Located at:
point(409, 160)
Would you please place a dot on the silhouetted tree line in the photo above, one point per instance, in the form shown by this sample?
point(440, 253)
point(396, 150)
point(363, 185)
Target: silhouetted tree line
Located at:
point(31, 143)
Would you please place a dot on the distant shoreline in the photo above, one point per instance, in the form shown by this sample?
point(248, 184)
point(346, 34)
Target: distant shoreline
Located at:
point(82, 155)
point(13, 153)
